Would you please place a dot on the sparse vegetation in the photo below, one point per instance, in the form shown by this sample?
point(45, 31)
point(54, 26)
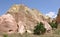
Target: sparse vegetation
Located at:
point(5, 35)
point(53, 24)
point(39, 29)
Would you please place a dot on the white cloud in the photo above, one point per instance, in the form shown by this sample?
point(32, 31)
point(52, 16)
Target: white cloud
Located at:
point(51, 14)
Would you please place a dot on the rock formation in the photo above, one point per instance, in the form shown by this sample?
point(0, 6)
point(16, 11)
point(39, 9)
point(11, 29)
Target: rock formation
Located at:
point(21, 18)
point(8, 24)
point(58, 16)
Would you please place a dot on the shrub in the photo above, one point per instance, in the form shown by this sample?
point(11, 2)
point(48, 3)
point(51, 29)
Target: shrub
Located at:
point(39, 29)
point(5, 35)
point(53, 24)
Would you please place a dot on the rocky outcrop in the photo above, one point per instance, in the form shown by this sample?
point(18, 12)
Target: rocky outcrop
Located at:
point(58, 16)
point(21, 28)
point(46, 25)
point(8, 24)
point(48, 19)
point(21, 18)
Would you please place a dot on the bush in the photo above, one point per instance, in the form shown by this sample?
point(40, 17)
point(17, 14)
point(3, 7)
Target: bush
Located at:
point(53, 24)
point(39, 29)
point(5, 35)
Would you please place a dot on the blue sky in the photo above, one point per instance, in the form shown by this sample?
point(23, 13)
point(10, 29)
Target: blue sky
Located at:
point(45, 6)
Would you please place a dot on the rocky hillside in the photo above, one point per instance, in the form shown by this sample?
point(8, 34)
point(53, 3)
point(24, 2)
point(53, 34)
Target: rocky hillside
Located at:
point(20, 18)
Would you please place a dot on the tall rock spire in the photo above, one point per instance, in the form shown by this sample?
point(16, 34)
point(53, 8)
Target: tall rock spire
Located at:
point(58, 16)
point(58, 12)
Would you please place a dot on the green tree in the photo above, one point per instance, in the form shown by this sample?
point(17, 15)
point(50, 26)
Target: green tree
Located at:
point(39, 29)
point(53, 24)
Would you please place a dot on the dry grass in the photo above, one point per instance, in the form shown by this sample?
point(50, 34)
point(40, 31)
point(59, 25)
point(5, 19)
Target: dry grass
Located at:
point(53, 33)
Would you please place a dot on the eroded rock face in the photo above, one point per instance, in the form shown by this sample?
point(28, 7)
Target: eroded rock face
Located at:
point(8, 24)
point(24, 17)
point(58, 16)
point(46, 25)
point(21, 28)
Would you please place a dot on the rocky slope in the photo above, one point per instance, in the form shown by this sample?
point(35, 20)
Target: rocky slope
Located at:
point(21, 18)
point(8, 24)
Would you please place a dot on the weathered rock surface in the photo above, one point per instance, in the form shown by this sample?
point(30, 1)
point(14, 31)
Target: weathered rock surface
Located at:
point(58, 16)
point(22, 28)
point(23, 18)
point(46, 25)
point(8, 24)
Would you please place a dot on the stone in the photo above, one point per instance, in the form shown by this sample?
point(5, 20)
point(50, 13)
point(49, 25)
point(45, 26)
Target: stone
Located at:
point(21, 18)
point(29, 31)
point(47, 26)
point(8, 24)
point(58, 16)
point(21, 28)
